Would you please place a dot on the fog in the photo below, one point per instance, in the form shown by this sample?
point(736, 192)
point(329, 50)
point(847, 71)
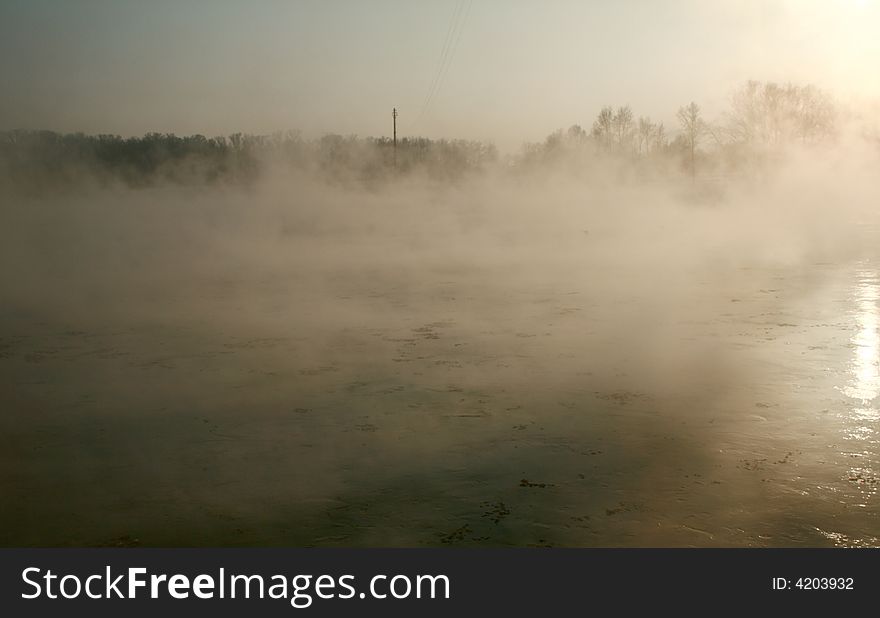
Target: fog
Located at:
point(517, 69)
point(577, 345)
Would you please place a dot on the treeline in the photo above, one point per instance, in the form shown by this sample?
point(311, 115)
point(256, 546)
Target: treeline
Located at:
point(762, 120)
point(35, 161)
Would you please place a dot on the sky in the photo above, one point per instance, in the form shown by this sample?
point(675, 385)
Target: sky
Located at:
point(516, 70)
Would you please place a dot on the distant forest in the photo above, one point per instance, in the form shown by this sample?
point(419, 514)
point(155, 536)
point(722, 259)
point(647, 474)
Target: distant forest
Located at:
point(763, 119)
point(31, 159)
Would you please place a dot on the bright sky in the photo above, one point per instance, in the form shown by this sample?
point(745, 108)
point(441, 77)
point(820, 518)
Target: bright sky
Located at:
point(518, 69)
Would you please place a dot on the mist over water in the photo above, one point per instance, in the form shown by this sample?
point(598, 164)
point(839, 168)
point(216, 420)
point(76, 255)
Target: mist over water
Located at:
point(510, 358)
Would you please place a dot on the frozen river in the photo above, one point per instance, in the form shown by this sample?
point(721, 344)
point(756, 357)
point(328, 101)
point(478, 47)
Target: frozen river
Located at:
point(445, 403)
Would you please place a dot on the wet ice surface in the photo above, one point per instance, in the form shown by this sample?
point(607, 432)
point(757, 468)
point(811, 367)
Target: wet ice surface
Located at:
point(440, 408)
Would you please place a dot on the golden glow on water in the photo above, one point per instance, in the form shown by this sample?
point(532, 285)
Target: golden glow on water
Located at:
point(865, 380)
point(864, 383)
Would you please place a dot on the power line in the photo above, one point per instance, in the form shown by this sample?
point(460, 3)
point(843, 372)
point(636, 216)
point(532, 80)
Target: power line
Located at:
point(454, 48)
point(450, 43)
point(444, 54)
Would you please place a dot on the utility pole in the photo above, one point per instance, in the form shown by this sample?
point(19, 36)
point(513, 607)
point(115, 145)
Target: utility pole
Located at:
point(394, 118)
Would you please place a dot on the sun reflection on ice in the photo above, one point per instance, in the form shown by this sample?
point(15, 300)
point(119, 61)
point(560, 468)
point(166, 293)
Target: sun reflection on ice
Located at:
point(865, 382)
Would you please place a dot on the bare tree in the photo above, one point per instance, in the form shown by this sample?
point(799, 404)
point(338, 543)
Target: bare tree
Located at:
point(771, 115)
point(645, 131)
point(815, 113)
point(623, 120)
point(576, 135)
point(603, 127)
point(692, 128)
point(660, 138)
